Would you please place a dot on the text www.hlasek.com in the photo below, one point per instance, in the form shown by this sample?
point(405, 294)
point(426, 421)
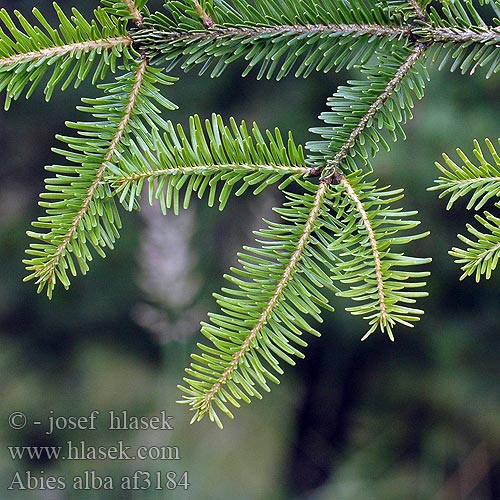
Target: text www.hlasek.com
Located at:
point(81, 451)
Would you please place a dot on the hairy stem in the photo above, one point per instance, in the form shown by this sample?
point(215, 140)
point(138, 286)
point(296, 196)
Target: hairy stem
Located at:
point(483, 35)
point(421, 34)
point(134, 11)
point(208, 169)
point(419, 13)
point(274, 300)
point(61, 50)
point(149, 36)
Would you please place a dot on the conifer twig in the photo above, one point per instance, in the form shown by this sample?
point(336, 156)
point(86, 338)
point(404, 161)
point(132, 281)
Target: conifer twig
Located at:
point(334, 165)
point(120, 131)
point(246, 346)
point(374, 249)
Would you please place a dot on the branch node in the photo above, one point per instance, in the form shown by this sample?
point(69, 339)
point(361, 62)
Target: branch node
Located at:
point(207, 21)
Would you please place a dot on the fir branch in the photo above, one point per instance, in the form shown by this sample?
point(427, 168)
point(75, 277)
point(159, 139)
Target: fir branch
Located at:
point(374, 247)
point(268, 35)
point(362, 254)
point(113, 147)
point(90, 216)
point(29, 52)
point(211, 155)
point(150, 36)
point(207, 171)
point(481, 181)
point(196, 48)
point(467, 50)
point(360, 112)
point(379, 97)
point(483, 253)
point(464, 37)
point(243, 30)
point(276, 296)
point(277, 286)
point(485, 35)
point(259, 319)
point(53, 263)
point(276, 49)
point(336, 163)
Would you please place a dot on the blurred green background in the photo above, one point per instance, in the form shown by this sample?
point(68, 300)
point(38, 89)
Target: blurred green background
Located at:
point(415, 419)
